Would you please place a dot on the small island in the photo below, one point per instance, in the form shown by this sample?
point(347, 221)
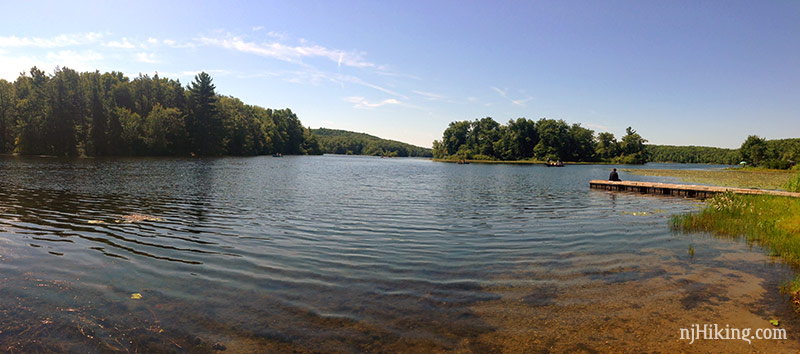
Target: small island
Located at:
point(527, 141)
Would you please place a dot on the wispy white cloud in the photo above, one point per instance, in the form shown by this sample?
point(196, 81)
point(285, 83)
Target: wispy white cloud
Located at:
point(71, 57)
point(174, 44)
point(317, 77)
point(598, 127)
point(215, 72)
point(384, 70)
point(144, 57)
point(518, 102)
point(281, 36)
point(288, 53)
point(123, 44)
point(521, 102)
point(499, 91)
point(429, 96)
point(358, 81)
point(63, 40)
point(361, 102)
point(11, 65)
point(257, 28)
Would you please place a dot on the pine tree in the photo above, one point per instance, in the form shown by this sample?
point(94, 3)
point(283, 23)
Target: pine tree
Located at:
point(204, 123)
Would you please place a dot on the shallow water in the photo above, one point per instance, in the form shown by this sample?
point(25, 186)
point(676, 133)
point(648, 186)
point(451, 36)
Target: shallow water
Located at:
point(354, 254)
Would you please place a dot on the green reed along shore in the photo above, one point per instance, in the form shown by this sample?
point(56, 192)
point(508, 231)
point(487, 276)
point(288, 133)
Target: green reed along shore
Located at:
point(772, 222)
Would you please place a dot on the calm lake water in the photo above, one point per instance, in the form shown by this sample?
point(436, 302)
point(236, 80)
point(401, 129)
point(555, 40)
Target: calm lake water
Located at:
point(361, 254)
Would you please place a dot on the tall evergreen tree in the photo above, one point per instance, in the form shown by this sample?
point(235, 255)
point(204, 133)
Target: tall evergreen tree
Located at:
point(32, 110)
point(8, 116)
point(98, 114)
point(205, 125)
point(67, 108)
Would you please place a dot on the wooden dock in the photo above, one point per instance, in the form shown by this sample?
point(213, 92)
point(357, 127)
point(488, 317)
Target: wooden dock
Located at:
point(684, 190)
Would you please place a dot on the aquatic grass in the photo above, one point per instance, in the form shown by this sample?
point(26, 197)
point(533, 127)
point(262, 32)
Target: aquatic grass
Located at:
point(793, 185)
point(772, 222)
point(735, 177)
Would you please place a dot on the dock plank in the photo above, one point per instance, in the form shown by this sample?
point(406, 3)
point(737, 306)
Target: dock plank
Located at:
point(686, 190)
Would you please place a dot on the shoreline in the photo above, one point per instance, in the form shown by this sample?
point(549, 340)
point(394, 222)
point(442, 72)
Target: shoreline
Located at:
point(523, 162)
point(771, 221)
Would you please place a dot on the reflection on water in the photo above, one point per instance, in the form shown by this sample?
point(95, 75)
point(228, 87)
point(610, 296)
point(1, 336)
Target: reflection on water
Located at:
point(358, 254)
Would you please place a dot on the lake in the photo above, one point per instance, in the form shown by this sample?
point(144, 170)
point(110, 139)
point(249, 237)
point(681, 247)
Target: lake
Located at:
point(362, 254)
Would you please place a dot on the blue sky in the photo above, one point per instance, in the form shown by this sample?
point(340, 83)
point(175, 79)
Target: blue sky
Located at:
point(679, 72)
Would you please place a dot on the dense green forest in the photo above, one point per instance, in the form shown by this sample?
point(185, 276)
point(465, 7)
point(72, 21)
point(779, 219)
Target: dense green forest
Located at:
point(779, 153)
point(692, 154)
point(755, 151)
point(523, 139)
point(92, 114)
point(344, 142)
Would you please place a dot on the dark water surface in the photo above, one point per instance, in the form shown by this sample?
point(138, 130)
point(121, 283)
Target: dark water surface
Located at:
point(358, 254)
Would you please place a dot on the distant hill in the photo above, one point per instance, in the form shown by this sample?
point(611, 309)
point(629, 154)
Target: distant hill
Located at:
point(333, 141)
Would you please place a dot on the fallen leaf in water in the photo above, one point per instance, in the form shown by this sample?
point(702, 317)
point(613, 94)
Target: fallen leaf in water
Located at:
point(136, 296)
point(774, 322)
point(97, 222)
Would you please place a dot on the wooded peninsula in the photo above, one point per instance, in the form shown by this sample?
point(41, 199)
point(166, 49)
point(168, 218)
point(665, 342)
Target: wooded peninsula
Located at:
point(93, 114)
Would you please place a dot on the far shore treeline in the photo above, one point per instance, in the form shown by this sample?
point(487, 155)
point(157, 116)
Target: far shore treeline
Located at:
point(525, 139)
point(74, 114)
point(92, 114)
point(755, 151)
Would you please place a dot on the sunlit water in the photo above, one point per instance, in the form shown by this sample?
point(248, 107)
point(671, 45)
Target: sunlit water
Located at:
point(352, 254)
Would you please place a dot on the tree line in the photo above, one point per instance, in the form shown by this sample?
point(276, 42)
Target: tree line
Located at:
point(779, 153)
point(92, 114)
point(525, 139)
point(333, 141)
point(692, 154)
point(755, 151)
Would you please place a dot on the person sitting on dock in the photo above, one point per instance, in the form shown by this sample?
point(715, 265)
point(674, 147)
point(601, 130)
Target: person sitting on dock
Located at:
point(614, 176)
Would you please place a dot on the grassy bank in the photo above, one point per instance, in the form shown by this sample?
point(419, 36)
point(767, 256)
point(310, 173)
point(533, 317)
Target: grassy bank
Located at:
point(770, 221)
point(739, 178)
